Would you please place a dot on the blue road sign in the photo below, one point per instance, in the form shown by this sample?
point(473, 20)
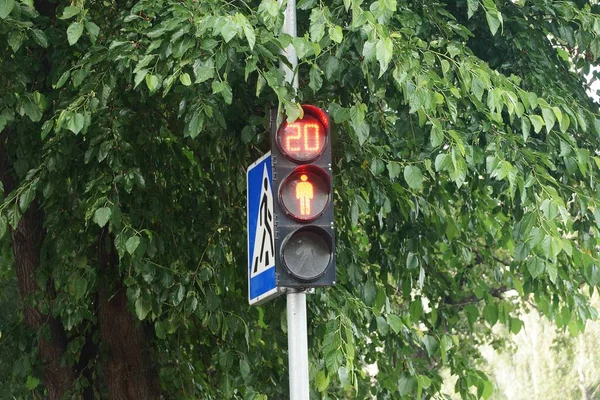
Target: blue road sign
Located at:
point(261, 233)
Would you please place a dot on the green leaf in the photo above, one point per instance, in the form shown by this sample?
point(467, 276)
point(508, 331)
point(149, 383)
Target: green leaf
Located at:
point(592, 272)
point(93, 31)
point(315, 78)
point(246, 28)
point(74, 32)
point(331, 66)
point(268, 10)
point(204, 71)
point(14, 216)
point(549, 118)
point(224, 89)
point(406, 384)
point(177, 296)
point(152, 82)
point(39, 36)
point(244, 368)
point(431, 344)
point(394, 169)
point(472, 6)
point(139, 77)
point(336, 34)
point(321, 381)
point(26, 198)
point(159, 329)
point(558, 114)
point(70, 12)
point(596, 125)
point(101, 216)
point(354, 214)
point(490, 313)
point(395, 322)
point(377, 166)
point(537, 122)
point(552, 271)
point(76, 123)
point(3, 225)
point(536, 267)
point(143, 306)
point(382, 326)
point(132, 244)
point(488, 390)
point(522, 251)
point(384, 50)
point(565, 123)
point(196, 124)
point(228, 29)
point(442, 162)
point(412, 261)
point(437, 135)
point(494, 20)
point(15, 40)
point(515, 325)
point(63, 79)
point(293, 111)
point(80, 285)
point(525, 128)
point(583, 158)
point(5, 117)
point(32, 382)
point(317, 24)
point(414, 177)
point(6, 6)
point(362, 131)
point(33, 111)
point(185, 79)
point(551, 247)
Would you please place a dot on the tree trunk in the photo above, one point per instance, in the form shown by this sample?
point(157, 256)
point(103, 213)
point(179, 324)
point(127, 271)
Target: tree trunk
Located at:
point(27, 241)
point(581, 361)
point(128, 370)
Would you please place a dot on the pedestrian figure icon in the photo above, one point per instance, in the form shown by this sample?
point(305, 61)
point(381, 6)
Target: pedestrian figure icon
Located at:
point(304, 192)
point(264, 243)
point(305, 255)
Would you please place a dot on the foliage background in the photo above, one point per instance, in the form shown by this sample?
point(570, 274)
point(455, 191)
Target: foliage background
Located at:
point(466, 166)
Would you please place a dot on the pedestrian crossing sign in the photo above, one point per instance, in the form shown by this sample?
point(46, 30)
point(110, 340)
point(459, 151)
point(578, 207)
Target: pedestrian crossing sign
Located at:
point(261, 233)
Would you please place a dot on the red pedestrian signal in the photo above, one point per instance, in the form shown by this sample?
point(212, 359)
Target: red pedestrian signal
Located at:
point(305, 193)
point(303, 181)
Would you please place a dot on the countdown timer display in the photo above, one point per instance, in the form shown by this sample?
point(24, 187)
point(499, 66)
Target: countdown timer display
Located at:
point(303, 140)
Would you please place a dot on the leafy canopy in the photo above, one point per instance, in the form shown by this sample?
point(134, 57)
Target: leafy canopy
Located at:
point(465, 167)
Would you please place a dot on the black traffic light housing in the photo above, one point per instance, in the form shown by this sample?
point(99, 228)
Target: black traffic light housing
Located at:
point(303, 200)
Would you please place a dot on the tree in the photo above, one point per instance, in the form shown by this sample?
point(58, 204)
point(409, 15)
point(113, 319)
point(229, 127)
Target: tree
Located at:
point(465, 166)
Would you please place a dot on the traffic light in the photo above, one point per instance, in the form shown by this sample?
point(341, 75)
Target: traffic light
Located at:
point(303, 189)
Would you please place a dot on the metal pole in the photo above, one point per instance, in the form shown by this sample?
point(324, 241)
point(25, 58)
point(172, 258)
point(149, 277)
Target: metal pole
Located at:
point(297, 345)
point(296, 301)
point(289, 27)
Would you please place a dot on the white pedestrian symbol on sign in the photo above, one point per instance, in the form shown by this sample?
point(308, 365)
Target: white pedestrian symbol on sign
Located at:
point(264, 246)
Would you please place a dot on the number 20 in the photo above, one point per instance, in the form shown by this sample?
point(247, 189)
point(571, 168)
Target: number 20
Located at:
point(302, 135)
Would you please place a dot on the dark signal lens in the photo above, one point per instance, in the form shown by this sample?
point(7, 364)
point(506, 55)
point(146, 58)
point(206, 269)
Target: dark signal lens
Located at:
point(302, 140)
point(307, 253)
point(305, 193)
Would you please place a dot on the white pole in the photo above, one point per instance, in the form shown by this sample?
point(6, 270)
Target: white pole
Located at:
point(297, 345)
point(296, 301)
point(289, 27)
